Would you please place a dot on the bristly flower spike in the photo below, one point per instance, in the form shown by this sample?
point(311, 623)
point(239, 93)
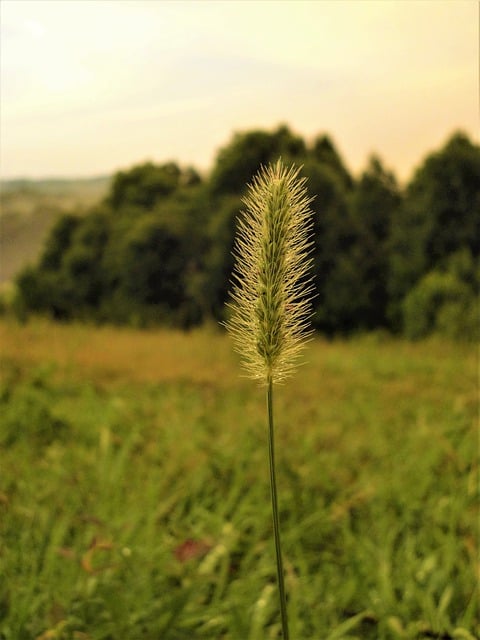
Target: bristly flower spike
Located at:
point(272, 290)
point(271, 298)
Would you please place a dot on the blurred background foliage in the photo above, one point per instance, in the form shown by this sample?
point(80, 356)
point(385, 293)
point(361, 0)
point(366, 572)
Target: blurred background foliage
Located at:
point(157, 249)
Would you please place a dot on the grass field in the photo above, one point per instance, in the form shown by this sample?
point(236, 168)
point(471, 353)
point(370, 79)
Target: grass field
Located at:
point(134, 495)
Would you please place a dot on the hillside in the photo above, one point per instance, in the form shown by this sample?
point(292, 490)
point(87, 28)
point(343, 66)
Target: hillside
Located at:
point(28, 208)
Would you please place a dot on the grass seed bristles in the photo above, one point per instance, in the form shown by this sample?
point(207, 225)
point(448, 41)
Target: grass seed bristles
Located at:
point(271, 289)
point(271, 299)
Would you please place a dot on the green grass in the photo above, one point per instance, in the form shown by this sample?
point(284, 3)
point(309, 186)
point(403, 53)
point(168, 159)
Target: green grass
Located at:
point(138, 506)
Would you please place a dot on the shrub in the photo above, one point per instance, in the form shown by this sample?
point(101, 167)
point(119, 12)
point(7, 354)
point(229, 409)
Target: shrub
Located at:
point(445, 302)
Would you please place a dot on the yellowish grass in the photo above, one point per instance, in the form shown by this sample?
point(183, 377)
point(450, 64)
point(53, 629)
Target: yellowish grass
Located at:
point(110, 354)
point(335, 372)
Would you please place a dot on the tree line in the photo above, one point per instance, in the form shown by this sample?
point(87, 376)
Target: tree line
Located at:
point(158, 248)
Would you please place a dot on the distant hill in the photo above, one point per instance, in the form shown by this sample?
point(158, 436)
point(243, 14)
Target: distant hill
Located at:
point(29, 208)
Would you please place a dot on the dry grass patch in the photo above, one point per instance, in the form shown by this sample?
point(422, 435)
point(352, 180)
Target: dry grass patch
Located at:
point(110, 355)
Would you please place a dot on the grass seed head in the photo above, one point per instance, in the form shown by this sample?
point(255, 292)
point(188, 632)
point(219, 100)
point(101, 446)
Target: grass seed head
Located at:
point(271, 292)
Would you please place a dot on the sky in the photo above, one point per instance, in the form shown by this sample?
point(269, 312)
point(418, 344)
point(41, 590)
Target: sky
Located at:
point(93, 86)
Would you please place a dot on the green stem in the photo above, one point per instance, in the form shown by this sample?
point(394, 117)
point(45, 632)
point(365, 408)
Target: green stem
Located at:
point(276, 526)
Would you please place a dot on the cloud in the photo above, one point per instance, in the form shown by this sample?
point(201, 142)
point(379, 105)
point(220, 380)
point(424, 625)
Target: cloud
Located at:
point(178, 77)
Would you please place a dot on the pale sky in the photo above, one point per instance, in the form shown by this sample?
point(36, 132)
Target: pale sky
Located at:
point(92, 86)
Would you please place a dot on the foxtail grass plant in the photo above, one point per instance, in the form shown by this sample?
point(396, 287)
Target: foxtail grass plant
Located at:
point(270, 298)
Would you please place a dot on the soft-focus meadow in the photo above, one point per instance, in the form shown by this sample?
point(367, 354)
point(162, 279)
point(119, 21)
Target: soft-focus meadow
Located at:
point(134, 495)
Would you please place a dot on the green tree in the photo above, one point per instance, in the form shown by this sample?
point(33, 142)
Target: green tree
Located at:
point(333, 238)
point(323, 151)
point(440, 215)
point(236, 163)
point(34, 292)
point(58, 241)
point(81, 266)
point(147, 269)
point(445, 301)
point(68, 280)
point(373, 203)
point(145, 185)
point(218, 262)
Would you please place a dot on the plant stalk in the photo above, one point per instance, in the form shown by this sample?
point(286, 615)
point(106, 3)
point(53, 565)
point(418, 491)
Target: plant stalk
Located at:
point(276, 525)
